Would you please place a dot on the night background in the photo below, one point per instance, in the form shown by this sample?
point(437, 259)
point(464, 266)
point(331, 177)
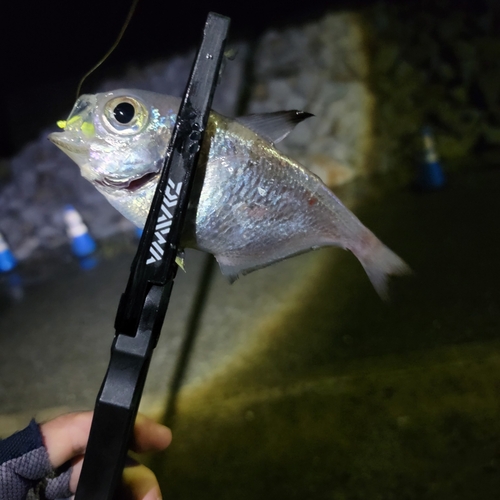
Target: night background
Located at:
point(48, 46)
point(296, 381)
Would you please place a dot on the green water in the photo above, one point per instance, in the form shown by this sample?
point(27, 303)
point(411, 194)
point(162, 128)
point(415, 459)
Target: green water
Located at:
point(347, 397)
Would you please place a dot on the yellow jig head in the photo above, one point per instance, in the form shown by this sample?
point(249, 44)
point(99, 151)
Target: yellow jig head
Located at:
point(86, 127)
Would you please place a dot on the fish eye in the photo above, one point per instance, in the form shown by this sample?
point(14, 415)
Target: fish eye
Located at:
point(124, 112)
point(125, 115)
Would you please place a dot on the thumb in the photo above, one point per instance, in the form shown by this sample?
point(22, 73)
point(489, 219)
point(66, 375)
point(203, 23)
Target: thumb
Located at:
point(66, 436)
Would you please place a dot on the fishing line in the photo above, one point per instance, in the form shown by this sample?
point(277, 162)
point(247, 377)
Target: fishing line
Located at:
point(112, 48)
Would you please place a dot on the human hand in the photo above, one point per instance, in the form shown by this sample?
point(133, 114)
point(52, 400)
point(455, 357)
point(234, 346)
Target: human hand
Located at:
point(66, 438)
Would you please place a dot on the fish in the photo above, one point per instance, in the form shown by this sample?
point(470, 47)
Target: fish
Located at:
point(250, 206)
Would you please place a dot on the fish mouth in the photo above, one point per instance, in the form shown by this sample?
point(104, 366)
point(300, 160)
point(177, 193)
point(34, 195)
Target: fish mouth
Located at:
point(76, 149)
point(130, 185)
point(66, 145)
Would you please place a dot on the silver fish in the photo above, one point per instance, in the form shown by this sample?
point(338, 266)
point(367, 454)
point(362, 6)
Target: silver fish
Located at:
point(251, 205)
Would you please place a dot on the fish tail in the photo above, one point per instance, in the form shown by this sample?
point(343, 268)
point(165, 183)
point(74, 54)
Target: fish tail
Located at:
point(379, 263)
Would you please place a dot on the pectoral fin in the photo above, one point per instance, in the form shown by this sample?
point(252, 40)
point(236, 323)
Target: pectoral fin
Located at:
point(179, 260)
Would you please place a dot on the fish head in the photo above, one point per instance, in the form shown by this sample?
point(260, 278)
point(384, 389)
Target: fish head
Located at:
point(119, 140)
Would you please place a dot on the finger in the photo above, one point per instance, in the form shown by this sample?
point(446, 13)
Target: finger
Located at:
point(75, 473)
point(66, 436)
point(140, 483)
point(150, 435)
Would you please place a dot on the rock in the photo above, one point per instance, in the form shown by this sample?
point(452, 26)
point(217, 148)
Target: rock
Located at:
point(330, 171)
point(445, 75)
point(322, 68)
point(42, 179)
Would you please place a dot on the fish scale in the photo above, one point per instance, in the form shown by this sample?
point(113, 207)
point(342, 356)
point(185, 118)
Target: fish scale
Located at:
point(251, 205)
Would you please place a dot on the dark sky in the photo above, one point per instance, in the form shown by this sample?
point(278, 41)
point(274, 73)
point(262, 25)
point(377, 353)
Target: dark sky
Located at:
point(46, 46)
point(56, 38)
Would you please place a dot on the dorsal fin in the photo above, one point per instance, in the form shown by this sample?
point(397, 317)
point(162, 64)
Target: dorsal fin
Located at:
point(273, 127)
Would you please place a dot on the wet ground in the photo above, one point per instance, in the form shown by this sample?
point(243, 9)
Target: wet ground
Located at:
point(299, 382)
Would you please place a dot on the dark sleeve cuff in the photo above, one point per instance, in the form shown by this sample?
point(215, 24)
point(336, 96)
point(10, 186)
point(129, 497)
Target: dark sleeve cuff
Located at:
point(21, 442)
point(24, 463)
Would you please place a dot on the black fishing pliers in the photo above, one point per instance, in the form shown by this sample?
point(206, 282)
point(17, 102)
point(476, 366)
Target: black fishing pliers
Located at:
point(144, 304)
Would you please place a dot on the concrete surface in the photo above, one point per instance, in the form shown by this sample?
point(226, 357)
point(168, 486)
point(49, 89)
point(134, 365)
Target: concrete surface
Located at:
point(343, 397)
point(55, 340)
point(301, 383)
